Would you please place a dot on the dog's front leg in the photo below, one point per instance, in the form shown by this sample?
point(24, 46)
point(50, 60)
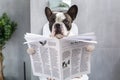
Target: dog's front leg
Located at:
point(90, 48)
point(30, 51)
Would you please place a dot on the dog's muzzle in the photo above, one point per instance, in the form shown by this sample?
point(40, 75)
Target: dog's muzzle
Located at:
point(58, 29)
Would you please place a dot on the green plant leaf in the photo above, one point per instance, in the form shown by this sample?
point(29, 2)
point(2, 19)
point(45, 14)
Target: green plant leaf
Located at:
point(7, 27)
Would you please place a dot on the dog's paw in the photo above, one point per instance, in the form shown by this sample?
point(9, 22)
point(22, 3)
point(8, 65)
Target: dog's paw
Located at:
point(90, 48)
point(31, 51)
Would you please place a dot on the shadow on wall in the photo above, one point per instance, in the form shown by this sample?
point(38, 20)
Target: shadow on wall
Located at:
point(116, 71)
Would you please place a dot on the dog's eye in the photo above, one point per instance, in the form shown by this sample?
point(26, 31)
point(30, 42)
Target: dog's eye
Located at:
point(66, 21)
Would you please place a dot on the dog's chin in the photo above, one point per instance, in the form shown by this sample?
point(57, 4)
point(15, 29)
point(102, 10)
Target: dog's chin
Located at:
point(59, 36)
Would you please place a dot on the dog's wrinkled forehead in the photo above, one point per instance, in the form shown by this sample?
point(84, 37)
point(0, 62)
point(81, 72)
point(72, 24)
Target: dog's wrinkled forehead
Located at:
point(59, 16)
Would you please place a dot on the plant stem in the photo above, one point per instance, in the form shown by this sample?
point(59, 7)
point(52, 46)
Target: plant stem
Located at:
point(1, 64)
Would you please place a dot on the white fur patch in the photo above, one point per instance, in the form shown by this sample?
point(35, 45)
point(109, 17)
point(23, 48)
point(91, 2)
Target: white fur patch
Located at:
point(60, 17)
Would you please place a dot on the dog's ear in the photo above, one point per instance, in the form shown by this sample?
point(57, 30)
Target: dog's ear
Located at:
point(48, 12)
point(73, 10)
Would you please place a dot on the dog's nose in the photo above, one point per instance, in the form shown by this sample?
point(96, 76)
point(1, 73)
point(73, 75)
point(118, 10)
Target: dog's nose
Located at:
point(57, 26)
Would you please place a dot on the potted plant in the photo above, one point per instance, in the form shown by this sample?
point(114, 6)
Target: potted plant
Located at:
point(7, 27)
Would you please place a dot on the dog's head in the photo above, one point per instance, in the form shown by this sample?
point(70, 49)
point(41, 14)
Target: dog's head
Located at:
point(60, 23)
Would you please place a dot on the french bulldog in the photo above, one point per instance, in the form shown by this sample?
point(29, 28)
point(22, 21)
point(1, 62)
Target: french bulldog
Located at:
point(60, 24)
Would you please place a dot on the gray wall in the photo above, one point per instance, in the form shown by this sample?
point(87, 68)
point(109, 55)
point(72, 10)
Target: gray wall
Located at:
point(101, 17)
point(15, 51)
